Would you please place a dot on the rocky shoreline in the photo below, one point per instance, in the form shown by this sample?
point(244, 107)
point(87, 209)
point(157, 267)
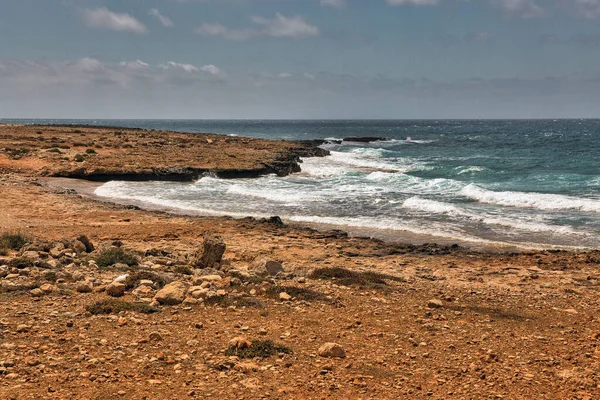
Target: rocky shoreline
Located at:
point(106, 301)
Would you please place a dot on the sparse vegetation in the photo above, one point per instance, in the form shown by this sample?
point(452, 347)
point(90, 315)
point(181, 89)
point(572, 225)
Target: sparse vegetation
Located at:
point(135, 277)
point(241, 301)
point(113, 256)
point(116, 306)
point(90, 151)
point(353, 278)
point(79, 158)
point(20, 263)
point(296, 292)
point(260, 349)
point(13, 241)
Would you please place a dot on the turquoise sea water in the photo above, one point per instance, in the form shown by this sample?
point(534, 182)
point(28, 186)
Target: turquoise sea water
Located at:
point(535, 183)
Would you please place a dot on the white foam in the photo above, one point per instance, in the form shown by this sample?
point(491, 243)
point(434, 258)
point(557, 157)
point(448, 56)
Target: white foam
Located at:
point(541, 201)
point(471, 169)
point(431, 206)
point(520, 222)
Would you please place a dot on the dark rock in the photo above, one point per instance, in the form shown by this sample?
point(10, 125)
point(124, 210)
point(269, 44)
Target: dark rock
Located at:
point(366, 139)
point(89, 247)
point(211, 252)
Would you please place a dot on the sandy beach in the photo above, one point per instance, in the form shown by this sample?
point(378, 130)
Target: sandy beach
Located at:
point(325, 314)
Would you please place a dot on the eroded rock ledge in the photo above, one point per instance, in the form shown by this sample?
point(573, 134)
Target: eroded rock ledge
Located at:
point(106, 153)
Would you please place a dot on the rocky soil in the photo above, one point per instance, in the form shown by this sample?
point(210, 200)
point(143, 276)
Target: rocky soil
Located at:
point(100, 301)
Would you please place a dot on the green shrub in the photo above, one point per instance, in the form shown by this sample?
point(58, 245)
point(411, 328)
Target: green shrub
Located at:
point(113, 256)
point(258, 348)
point(90, 151)
point(349, 278)
point(79, 158)
point(296, 292)
point(116, 306)
point(13, 241)
point(135, 277)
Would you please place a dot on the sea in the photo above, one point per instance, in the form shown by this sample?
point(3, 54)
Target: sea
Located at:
point(481, 183)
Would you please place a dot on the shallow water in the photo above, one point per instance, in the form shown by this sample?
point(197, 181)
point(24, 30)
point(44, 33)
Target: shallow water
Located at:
point(535, 183)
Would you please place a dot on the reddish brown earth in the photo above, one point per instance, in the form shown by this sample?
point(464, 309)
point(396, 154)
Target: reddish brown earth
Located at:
point(441, 323)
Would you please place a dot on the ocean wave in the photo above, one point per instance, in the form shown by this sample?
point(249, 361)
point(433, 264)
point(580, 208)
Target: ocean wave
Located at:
point(431, 206)
point(288, 197)
point(541, 201)
point(521, 222)
point(341, 163)
point(466, 170)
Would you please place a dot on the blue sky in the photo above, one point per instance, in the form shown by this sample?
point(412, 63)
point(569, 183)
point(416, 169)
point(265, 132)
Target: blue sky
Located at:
point(299, 58)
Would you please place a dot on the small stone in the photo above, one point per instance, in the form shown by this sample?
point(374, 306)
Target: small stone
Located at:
point(156, 336)
point(265, 267)
point(435, 303)
point(332, 350)
point(37, 292)
point(239, 342)
point(48, 288)
point(246, 367)
point(116, 289)
point(23, 328)
point(283, 296)
point(209, 278)
point(84, 287)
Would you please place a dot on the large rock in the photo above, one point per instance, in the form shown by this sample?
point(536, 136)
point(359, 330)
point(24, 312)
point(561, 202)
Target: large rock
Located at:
point(332, 350)
point(115, 289)
point(173, 293)
point(266, 267)
point(211, 252)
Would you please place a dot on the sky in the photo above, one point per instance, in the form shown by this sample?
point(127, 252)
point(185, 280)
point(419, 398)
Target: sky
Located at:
point(321, 59)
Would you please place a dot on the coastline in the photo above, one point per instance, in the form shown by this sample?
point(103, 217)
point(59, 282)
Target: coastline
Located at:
point(415, 321)
point(87, 189)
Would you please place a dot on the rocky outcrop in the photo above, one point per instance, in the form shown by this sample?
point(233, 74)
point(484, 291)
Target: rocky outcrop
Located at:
point(211, 252)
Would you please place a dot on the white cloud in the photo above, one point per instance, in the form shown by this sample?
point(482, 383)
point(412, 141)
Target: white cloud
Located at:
point(219, 30)
point(278, 27)
point(284, 75)
point(165, 21)
point(584, 9)
point(281, 26)
point(104, 18)
point(526, 9)
point(134, 64)
point(211, 69)
point(185, 67)
point(333, 3)
point(412, 2)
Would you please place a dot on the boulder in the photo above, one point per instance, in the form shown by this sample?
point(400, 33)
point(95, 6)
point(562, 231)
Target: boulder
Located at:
point(84, 287)
point(89, 247)
point(332, 350)
point(266, 267)
point(78, 247)
point(211, 252)
point(48, 288)
point(116, 289)
point(173, 293)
